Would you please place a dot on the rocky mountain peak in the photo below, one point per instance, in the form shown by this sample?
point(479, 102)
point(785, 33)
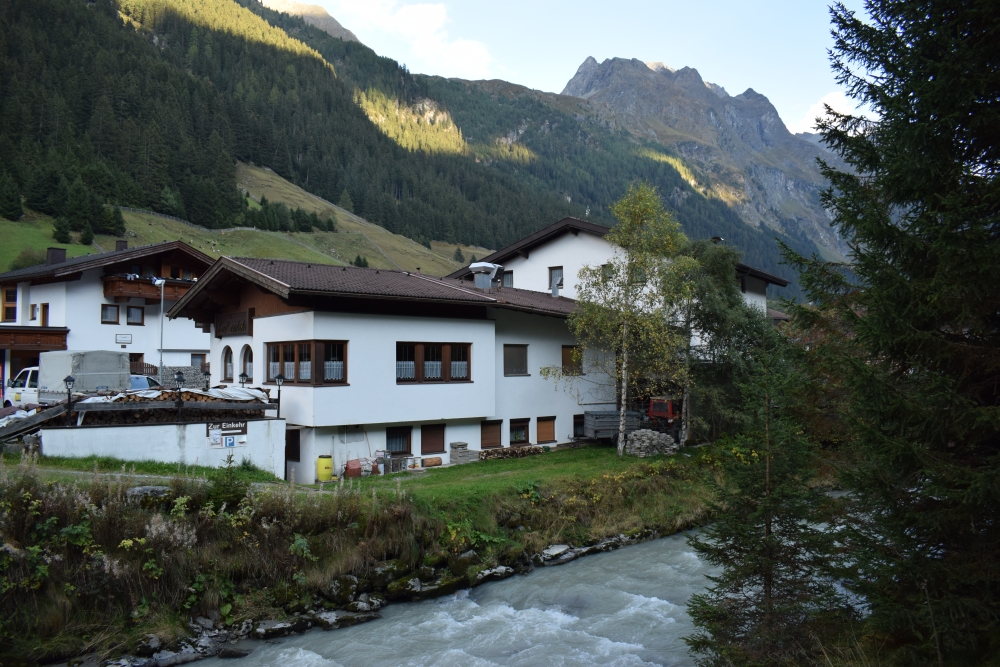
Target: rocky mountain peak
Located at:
point(737, 145)
point(314, 15)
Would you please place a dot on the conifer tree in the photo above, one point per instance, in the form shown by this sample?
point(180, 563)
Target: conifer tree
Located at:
point(345, 201)
point(920, 209)
point(458, 256)
point(10, 198)
point(77, 209)
point(114, 223)
point(774, 588)
point(87, 234)
point(473, 260)
point(61, 232)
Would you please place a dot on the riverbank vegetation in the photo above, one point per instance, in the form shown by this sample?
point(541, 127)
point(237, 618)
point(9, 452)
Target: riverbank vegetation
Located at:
point(87, 566)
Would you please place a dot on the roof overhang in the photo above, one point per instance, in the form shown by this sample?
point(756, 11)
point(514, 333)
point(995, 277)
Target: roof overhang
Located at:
point(70, 269)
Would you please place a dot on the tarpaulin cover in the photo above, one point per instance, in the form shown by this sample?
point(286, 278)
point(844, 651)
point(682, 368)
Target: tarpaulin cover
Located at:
point(230, 394)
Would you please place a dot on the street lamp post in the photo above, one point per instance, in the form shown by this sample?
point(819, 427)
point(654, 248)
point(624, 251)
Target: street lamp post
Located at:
point(279, 380)
point(179, 379)
point(208, 379)
point(243, 380)
point(160, 282)
point(70, 381)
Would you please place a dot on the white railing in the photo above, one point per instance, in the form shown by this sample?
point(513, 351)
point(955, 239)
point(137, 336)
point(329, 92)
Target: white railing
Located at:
point(432, 370)
point(333, 370)
point(406, 370)
point(305, 370)
point(459, 370)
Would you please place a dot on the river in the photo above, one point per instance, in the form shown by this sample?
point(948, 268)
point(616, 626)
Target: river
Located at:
point(625, 607)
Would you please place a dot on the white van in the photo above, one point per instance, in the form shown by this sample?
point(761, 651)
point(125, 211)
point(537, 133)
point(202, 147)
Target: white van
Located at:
point(23, 389)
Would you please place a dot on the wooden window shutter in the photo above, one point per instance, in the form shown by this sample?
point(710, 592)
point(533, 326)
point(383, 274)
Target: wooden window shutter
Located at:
point(432, 439)
point(490, 435)
point(546, 429)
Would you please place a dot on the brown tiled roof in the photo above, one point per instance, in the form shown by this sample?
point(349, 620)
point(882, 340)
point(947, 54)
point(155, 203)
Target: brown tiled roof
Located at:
point(85, 262)
point(567, 225)
point(287, 278)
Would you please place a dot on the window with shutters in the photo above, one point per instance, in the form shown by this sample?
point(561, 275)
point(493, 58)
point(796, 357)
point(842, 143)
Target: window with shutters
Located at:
point(397, 440)
point(315, 362)
point(572, 361)
point(546, 429)
point(10, 305)
point(515, 360)
point(432, 362)
point(432, 439)
point(489, 437)
point(519, 432)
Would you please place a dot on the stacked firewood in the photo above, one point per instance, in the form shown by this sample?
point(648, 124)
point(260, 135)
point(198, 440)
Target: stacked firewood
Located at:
point(510, 452)
point(141, 415)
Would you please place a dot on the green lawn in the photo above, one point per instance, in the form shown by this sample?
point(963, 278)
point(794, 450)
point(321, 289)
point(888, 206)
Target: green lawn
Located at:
point(33, 231)
point(109, 465)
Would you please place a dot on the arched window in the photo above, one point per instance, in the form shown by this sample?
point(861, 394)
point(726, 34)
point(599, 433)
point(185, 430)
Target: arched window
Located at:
point(248, 362)
point(227, 364)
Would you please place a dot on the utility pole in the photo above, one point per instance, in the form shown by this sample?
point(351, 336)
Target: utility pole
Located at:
point(160, 282)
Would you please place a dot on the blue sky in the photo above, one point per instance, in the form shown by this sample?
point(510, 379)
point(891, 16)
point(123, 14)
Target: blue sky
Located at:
point(777, 47)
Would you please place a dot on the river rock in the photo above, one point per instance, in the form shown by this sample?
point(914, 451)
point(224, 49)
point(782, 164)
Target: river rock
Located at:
point(341, 591)
point(272, 629)
point(206, 623)
point(388, 572)
point(169, 658)
point(554, 551)
point(331, 620)
point(366, 603)
point(493, 574)
point(148, 646)
point(233, 652)
point(460, 564)
point(403, 588)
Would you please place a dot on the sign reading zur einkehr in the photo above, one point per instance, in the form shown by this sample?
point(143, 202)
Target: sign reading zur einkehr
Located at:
point(227, 434)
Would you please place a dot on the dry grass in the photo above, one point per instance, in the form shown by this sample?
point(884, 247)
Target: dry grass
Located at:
point(86, 568)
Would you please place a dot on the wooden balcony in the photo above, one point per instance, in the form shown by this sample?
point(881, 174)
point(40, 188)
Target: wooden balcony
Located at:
point(121, 289)
point(32, 339)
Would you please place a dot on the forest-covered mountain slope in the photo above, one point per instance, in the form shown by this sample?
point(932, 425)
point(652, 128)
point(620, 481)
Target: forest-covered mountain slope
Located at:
point(149, 103)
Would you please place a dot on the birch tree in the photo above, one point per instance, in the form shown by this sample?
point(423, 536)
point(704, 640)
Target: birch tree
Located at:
point(623, 322)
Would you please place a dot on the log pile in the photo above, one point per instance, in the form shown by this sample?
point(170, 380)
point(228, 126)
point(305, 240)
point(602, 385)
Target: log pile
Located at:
point(510, 452)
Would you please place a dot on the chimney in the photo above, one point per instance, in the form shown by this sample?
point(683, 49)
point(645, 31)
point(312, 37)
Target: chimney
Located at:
point(485, 274)
point(121, 244)
point(55, 255)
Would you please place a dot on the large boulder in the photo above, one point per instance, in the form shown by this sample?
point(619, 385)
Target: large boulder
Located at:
point(341, 591)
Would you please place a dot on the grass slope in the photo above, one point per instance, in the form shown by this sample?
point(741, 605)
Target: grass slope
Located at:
point(32, 231)
point(382, 248)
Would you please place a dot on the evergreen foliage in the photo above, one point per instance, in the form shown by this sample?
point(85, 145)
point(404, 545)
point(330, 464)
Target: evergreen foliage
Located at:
point(86, 234)
point(26, 258)
point(61, 231)
point(114, 222)
point(10, 198)
point(769, 539)
point(473, 260)
point(458, 256)
point(916, 320)
point(361, 261)
point(345, 201)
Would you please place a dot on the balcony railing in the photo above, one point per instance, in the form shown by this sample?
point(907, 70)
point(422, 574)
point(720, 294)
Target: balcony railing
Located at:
point(142, 368)
point(143, 288)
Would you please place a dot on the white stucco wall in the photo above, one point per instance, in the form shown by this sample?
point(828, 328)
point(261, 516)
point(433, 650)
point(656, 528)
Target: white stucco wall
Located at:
point(568, 251)
point(171, 443)
point(372, 395)
point(76, 304)
point(755, 292)
point(534, 396)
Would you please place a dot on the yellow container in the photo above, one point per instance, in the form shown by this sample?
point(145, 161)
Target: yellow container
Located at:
point(324, 468)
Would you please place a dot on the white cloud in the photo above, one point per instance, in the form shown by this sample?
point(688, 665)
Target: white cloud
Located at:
point(837, 100)
point(415, 34)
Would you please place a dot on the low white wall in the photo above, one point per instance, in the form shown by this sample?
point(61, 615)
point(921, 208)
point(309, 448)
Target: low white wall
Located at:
point(170, 443)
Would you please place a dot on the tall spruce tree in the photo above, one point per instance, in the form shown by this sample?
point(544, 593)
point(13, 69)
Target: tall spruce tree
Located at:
point(774, 588)
point(10, 198)
point(921, 209)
